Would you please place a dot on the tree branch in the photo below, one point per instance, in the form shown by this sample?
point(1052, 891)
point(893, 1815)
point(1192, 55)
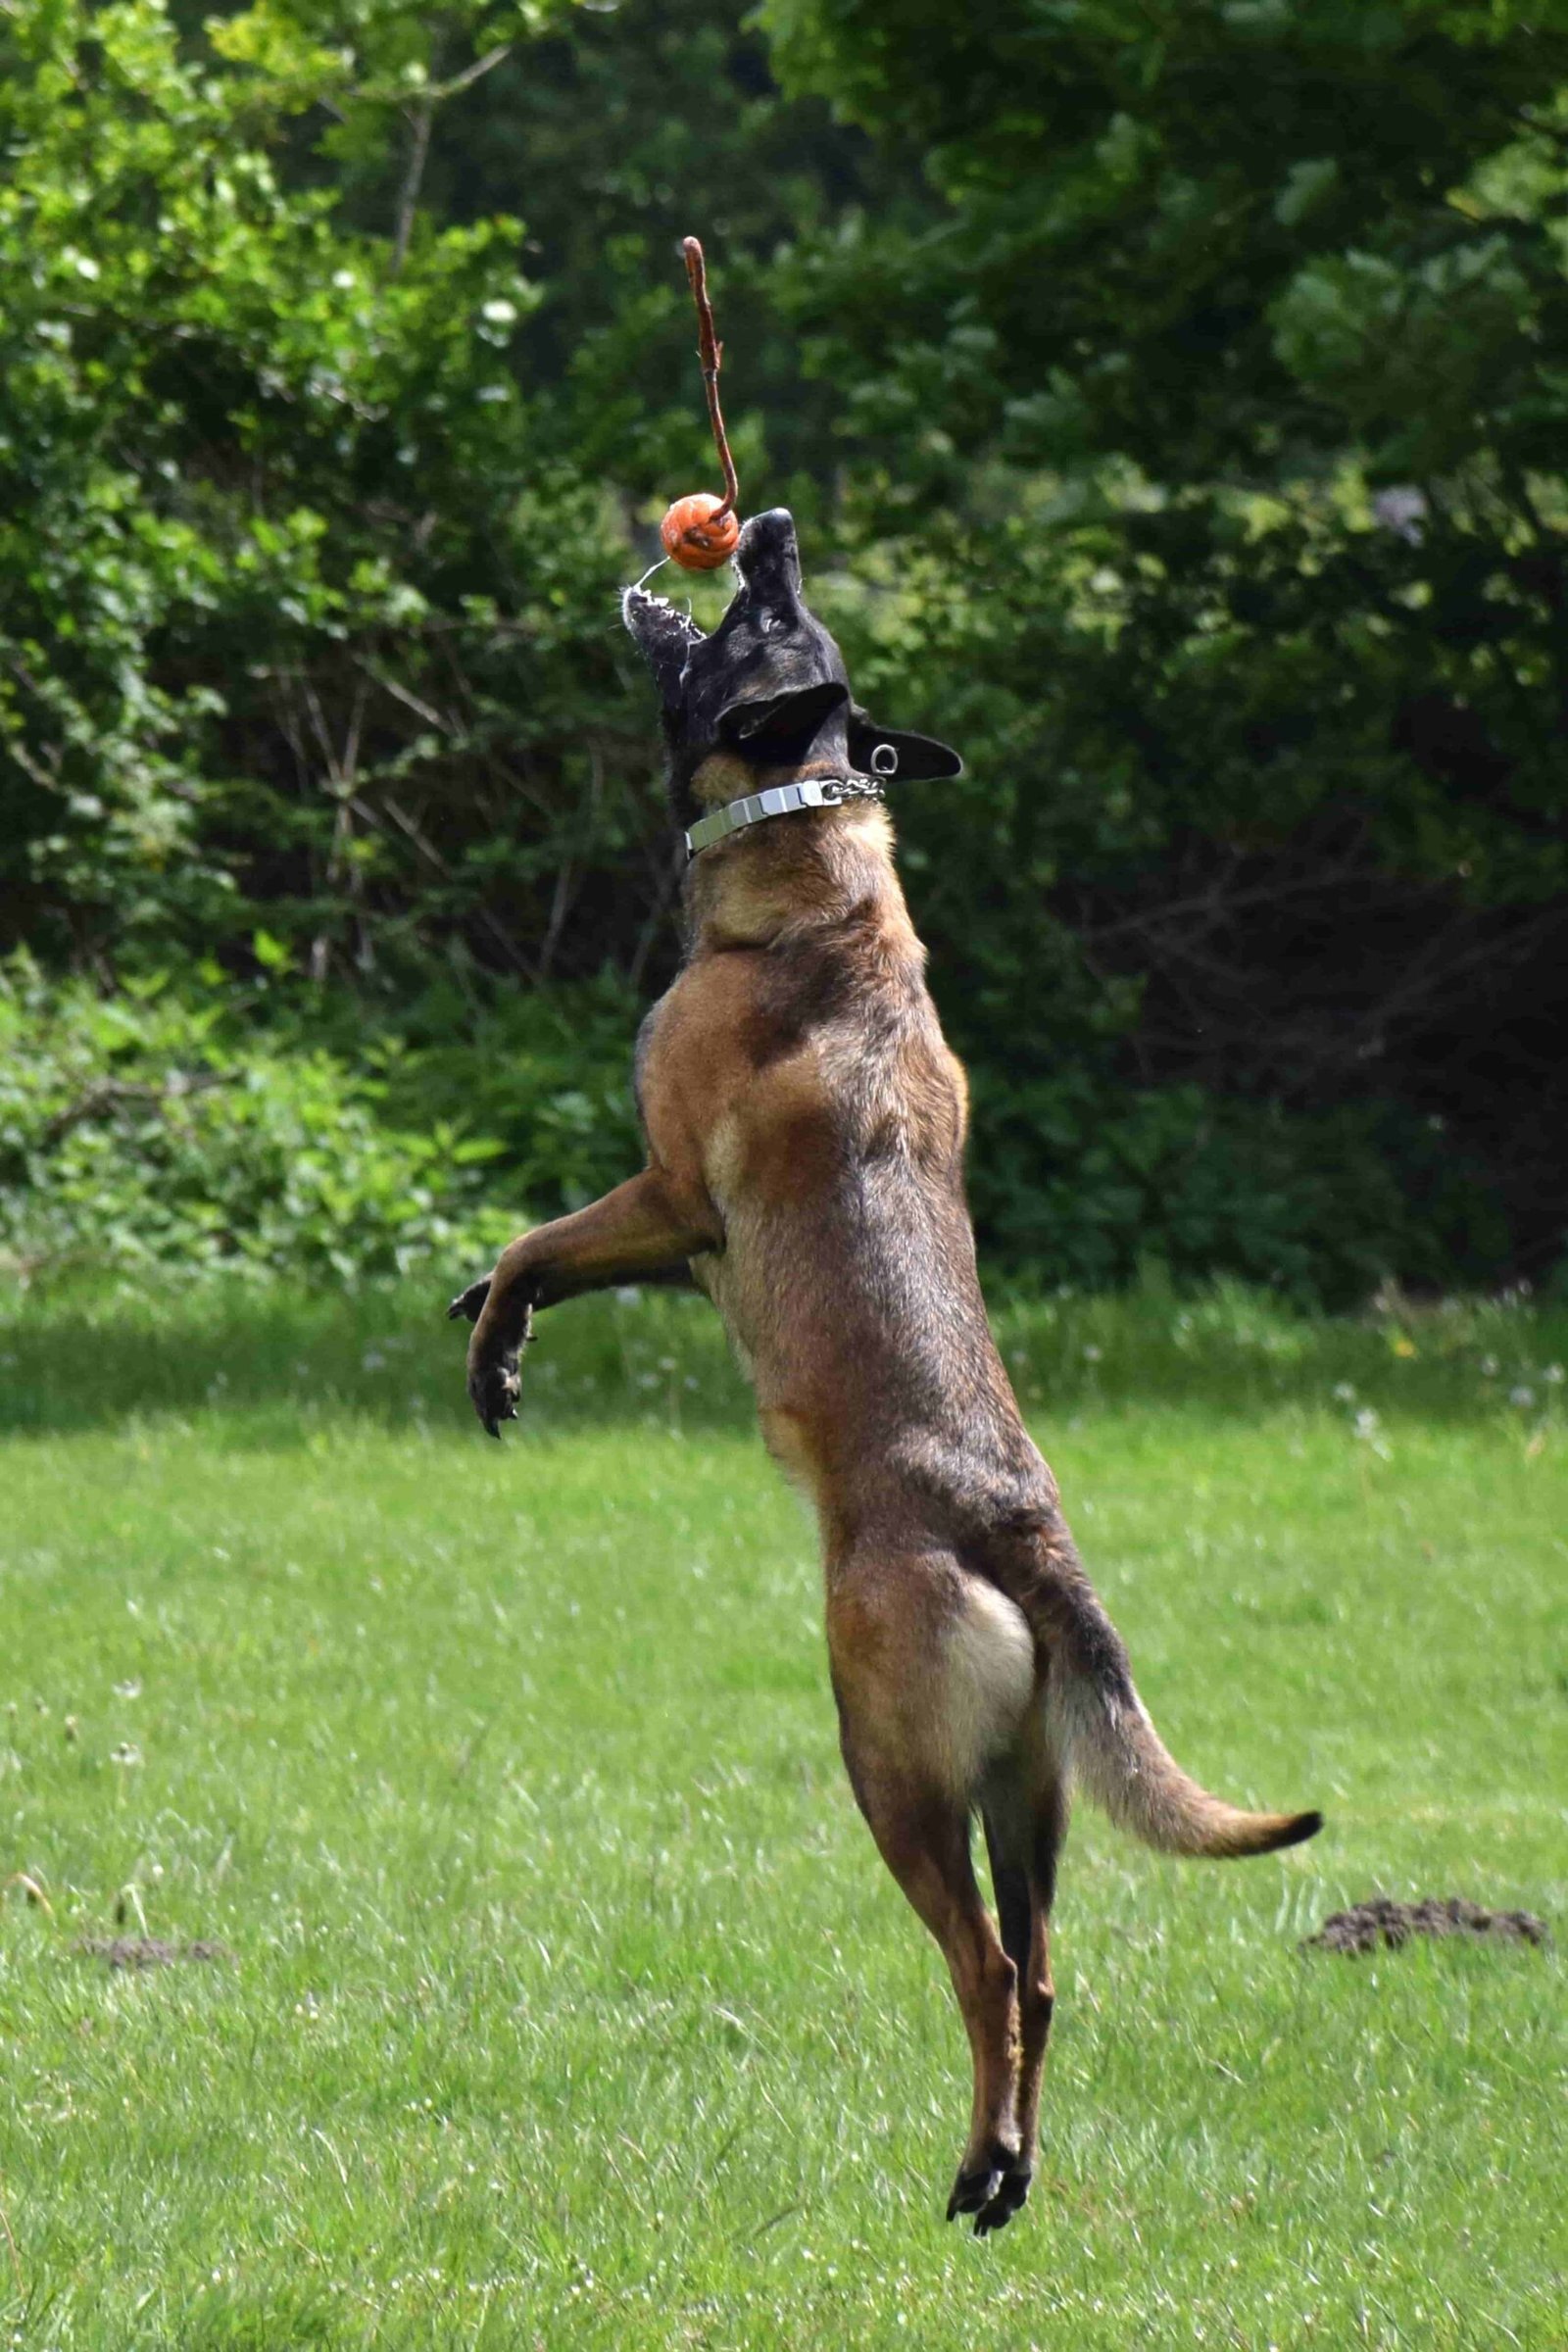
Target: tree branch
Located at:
point(420, 120)
point(105, 1094)
point(712, 354)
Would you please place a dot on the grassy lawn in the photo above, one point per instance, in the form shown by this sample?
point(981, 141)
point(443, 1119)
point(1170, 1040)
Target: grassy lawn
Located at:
point(568, 2004)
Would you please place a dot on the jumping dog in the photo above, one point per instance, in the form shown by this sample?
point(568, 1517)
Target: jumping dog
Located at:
point(804, 1124)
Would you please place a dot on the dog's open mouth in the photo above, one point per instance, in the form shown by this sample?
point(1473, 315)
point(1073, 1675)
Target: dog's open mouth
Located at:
point(644, 600)
point(767, 684)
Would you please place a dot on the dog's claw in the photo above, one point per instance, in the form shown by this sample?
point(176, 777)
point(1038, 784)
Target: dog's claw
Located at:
point(494, 1385)
point(493, 1415)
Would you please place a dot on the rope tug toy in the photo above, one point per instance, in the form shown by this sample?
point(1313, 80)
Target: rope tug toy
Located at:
point(699, 532)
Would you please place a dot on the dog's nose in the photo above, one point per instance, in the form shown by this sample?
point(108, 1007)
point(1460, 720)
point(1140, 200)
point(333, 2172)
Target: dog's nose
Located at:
point(767, 548)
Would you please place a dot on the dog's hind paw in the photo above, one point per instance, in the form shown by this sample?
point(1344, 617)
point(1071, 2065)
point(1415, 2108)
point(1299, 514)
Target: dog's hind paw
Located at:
point(992, 2190)
point(1009, 2201)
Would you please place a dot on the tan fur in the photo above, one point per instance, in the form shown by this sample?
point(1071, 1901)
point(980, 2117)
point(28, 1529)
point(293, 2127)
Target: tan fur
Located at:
point(806, 1125)
point(986, 1683)
point(724, 776)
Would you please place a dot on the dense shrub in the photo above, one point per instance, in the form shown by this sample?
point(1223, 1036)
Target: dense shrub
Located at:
point(1174, 410)
point(144, 1129)
point(1216, 411)
point(207, 1127)
point(1088, 1183)
point(296, 612)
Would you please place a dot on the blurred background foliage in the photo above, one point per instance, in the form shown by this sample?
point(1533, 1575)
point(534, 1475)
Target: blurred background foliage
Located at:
point(1173, 401)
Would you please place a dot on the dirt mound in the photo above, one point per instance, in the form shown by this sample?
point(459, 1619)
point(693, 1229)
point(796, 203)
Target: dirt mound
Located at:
point(147, 1951)
point(1382, 1921)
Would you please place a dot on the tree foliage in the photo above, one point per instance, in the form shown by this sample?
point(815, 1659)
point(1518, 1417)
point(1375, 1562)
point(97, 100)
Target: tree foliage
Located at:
point(1233, 359)
point(1172, 399)
point(293, 615)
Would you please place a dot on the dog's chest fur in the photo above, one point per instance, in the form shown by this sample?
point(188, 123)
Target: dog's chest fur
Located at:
point(800, 1046)
point(795, 1079)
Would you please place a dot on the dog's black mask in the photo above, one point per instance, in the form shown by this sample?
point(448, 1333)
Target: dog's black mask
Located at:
point(769, 685)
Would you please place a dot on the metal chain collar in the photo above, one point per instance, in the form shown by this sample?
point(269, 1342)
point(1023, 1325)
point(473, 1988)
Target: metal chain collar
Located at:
point(784, 800)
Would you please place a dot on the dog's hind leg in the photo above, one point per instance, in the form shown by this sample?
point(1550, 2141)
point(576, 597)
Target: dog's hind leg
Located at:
point(1025, 1814)
point(932, 1676)
point(924, 1840)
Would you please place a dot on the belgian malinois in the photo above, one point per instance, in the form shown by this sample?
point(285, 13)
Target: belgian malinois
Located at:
point(805, 1125)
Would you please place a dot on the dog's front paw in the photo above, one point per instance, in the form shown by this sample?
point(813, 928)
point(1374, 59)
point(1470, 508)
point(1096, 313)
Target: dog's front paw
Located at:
point(494, 1387)
point(468, 1304)
point(494, 1380)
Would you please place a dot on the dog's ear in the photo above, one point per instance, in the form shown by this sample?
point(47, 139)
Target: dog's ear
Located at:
point(883, 751)
point(778, 726)
point(663, 636)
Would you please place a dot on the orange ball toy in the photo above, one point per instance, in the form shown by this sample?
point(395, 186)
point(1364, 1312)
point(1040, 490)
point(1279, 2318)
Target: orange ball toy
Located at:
point(693, 538)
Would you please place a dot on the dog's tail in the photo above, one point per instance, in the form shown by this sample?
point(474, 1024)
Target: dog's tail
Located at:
point(1101, 1731)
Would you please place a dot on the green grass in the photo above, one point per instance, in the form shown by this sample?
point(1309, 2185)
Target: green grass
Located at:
point(569, 2005)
